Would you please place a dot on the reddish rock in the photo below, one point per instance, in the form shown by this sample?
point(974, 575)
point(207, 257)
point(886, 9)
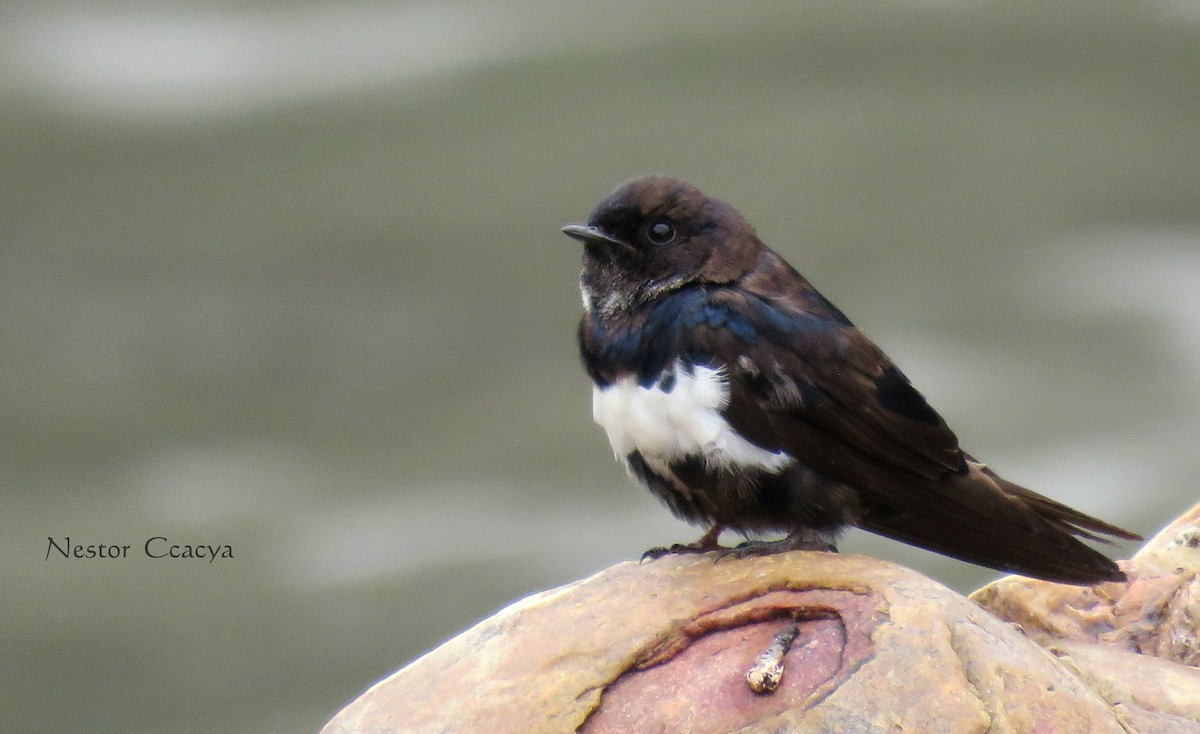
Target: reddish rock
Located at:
point(1134, 643)
point(665, 647)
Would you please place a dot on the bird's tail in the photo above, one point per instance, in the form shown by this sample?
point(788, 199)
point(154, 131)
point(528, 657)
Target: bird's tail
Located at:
point(1066, 519)
point(995, 523)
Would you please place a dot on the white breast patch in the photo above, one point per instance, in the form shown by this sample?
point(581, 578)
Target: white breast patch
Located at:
point(685, 421)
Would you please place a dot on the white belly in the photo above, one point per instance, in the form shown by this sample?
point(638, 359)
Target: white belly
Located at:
point(685, 421)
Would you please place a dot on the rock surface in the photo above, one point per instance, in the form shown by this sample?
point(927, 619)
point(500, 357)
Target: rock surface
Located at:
point(1134, 643)
point(665, 647)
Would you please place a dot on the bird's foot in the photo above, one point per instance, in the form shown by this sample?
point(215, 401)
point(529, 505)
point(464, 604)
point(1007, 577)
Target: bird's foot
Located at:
point(707, 542)
point(807, 540)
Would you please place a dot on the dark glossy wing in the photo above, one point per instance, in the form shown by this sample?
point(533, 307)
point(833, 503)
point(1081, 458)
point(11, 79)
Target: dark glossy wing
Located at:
point(804, 363)
point(804, 380)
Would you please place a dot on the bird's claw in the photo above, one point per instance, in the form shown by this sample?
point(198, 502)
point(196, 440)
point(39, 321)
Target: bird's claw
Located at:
point(752, 548)
point(675, 549)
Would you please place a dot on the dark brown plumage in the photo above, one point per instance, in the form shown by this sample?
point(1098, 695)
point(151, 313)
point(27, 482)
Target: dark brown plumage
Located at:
point(745, 400)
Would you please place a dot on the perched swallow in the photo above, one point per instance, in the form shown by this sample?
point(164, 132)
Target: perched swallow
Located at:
point(743, 399)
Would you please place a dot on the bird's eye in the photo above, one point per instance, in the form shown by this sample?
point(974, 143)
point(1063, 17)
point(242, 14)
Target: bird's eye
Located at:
point(660, 232)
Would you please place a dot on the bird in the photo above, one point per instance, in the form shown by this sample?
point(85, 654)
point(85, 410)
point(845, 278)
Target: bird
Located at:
point(744, 400)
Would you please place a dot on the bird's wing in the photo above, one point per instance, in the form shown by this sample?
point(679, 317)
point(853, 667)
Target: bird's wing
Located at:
point(789, 366)
point(805, 381)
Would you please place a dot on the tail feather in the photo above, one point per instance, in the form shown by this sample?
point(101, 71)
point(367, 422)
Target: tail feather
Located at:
point(1065, 518)
point(983, 519)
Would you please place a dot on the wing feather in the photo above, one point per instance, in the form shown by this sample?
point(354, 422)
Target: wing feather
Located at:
point(804, 380)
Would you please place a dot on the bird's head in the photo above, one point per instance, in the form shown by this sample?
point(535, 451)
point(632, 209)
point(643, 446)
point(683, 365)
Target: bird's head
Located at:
point(656, 234)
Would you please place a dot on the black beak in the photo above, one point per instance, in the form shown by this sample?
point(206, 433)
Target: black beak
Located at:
point(592, 236)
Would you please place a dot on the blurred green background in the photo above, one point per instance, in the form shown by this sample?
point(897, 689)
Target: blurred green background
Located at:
point(288, 277)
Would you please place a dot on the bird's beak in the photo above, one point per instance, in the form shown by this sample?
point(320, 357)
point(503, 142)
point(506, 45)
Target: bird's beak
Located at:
point(592, 236)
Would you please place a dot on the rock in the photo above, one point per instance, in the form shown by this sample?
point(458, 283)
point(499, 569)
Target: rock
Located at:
point(665, 646)
point(1134, 643)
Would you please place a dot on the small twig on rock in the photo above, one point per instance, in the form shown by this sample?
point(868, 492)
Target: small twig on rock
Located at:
point(764, 676)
